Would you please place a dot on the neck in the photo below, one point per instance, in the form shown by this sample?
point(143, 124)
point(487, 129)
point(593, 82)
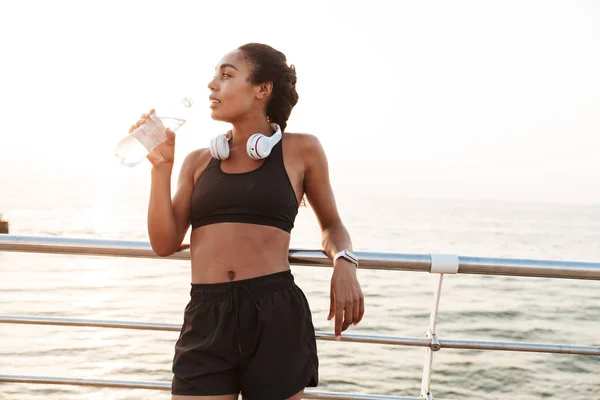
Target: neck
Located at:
point(242, 130)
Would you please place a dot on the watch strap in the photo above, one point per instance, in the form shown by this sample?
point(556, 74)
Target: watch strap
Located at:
point(348, 255)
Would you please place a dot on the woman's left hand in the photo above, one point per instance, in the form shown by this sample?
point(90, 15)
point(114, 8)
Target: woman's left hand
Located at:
point(347, 301)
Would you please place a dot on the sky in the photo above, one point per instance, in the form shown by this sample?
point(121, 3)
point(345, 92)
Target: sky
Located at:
point(462, 99)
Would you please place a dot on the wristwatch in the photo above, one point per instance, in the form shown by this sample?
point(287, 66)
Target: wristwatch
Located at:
point(348, 255)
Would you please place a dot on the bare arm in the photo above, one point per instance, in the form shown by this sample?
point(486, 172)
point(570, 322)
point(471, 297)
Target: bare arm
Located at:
point(169, 219)
point(334, 235)
point(347, 301)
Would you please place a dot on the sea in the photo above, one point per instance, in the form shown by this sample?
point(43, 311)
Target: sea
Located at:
point(472, 307)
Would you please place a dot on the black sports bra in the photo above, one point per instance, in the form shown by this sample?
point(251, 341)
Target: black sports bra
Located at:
point(263, 196)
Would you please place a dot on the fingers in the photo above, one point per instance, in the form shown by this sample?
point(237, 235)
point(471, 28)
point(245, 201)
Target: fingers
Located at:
point(339, 315)
point(139, 122)
point(331, 306)
point(170, 136)
point(353, 310)
point(142, 120)
point(347, 306)
point(348, 316)
point(356, 316)
point(361, 311)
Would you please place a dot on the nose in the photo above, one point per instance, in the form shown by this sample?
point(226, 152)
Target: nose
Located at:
point(211, 85)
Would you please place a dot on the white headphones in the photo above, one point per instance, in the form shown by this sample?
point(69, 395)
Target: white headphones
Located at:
point(258, 145)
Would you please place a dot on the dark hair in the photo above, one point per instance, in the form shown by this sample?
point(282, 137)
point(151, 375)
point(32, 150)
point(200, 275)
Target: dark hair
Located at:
point(270, 65)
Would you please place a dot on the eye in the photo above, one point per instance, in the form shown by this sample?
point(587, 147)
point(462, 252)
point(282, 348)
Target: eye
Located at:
point(226, 75)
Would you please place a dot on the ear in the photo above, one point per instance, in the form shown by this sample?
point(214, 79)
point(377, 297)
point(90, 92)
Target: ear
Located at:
point(264, 90)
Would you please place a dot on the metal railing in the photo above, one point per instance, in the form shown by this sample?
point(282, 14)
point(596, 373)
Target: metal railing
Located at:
point(431, 263)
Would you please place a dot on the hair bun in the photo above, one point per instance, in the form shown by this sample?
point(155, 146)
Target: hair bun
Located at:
point(270, 65)
point(292, 73)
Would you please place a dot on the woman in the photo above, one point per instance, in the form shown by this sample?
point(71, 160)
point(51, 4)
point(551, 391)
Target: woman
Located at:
point(248, 328)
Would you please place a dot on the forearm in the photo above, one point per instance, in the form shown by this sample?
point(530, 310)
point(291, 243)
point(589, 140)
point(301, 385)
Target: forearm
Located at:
point(162, 226)
point(336, 238)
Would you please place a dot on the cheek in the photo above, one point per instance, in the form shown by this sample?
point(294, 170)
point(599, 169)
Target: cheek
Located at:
point(237, 97)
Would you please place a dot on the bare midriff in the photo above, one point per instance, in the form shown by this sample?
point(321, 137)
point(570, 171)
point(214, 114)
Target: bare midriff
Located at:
point(229, 251)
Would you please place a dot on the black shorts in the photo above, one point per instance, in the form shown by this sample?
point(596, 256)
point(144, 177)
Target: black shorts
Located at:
point(253, 336)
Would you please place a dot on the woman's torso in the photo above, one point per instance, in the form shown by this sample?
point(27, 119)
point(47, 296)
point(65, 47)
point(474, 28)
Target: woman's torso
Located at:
point(242, 212)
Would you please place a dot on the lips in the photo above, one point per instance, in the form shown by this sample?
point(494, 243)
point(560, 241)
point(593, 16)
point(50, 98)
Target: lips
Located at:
point(214, 102)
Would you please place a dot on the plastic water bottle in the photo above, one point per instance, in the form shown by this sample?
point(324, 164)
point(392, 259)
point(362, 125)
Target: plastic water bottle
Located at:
point(134, 148)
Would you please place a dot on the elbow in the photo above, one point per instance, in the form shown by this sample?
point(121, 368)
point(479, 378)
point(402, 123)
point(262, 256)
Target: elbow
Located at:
point(163, 242)
point(162, 248)
point(163, 252)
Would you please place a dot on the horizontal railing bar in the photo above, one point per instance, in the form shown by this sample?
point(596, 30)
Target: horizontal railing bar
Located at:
point(526, 347)
point(86, 382)
point(166, 386)
point(368, 260)
point(310, 394)
point(371, 339)
point(91, 323)
point(529, 268)
point(84, 246)
point(153, 326)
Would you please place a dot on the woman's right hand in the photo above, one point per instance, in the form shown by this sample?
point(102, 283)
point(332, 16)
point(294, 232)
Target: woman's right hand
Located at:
point(164, 153)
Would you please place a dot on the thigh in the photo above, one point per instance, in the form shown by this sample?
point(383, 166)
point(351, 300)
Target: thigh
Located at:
point(297, 396)
point(285, 358)
point(205, 360)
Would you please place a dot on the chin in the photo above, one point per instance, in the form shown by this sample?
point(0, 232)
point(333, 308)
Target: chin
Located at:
point(220, 116)
point(215, 115)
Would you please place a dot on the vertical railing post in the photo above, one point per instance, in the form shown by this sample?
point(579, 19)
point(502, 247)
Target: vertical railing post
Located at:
point(440, 264)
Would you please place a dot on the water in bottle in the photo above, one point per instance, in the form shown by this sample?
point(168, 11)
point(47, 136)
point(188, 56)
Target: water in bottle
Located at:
point(133, 148)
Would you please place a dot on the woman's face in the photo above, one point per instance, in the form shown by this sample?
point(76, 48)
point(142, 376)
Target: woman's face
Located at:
point(232, 95)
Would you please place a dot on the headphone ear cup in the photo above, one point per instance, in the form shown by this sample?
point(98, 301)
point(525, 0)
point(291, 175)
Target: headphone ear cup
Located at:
point(258, 146)
point(219, 147)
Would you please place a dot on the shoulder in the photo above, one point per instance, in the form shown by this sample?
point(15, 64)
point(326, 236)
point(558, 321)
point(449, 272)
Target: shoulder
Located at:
point(198, 155)
point(309, 153)
point(195, 162)
point(302, 139)
point(306, 145)
point(196, 158)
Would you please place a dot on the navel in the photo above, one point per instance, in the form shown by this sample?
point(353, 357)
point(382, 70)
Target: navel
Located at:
point(231, 275)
